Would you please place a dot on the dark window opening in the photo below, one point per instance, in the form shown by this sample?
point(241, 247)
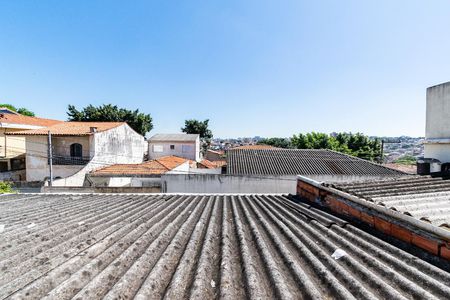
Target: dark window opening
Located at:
point(76, 150)
point(172, 147)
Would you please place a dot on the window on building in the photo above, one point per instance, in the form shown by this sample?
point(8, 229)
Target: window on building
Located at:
point(76, 150)
point(158, 148)
point(186, 148)
point(172, 147)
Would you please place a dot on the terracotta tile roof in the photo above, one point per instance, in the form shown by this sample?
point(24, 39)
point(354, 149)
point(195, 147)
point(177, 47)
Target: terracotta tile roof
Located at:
point(71, 128)
point(219, 152)
point(207, 164)
point(153, 167)
point(25, 120)
point(256, 147)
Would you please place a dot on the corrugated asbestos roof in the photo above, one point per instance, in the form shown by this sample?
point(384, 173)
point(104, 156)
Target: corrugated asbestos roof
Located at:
point(424, 198)
point(174, 137)
point(71, 128)
point(300, 162)
point(200, 247)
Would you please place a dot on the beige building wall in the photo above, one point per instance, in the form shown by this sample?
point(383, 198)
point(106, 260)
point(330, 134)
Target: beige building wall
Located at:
point(11, 146)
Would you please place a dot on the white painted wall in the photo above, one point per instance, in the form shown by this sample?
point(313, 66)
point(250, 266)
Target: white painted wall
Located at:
point(437, 129)
point(193, 154)
point(211, 183)
point(181, 169)
point(118, 145)
point(438, 151)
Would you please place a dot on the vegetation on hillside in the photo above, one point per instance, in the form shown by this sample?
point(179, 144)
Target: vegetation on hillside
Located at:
point(276, 142)
point(140, 122)
point(21, 110)
point(406, 160)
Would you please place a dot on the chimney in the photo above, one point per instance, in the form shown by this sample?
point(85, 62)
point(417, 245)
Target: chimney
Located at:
point(93, 129)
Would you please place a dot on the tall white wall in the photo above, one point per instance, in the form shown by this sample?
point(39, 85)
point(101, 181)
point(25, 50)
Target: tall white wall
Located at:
point(214, 183)
point(437, 130)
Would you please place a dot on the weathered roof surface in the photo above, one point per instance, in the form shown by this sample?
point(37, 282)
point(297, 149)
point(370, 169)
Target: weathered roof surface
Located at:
point(255, 147)
point(425, 198)
point(153, 167)
point(207, 164)
point(300, 162)
point(175, 137)
point(197, 246)
point(71, 128)
point(26, 120)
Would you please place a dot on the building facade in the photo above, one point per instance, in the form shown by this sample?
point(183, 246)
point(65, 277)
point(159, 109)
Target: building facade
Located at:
point(13, 148)
point(437, 131)
point(79, 147)
point(181, 145)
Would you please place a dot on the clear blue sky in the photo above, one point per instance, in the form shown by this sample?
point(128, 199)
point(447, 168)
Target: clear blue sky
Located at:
point(269, 68)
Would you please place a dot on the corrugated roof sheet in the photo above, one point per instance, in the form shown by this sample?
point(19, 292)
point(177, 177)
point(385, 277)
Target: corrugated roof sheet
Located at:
point(26, 120)
point(300, 162)
point(424, 198)
point(154, 167)
point(197, 246)
point(175, 137)
point(255, 147)
point(71, 128)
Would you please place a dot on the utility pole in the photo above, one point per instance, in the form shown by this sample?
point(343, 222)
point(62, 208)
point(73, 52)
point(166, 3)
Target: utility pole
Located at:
point(50, 157)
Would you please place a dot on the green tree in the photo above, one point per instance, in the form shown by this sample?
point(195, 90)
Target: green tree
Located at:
point(313, 140)
point(193, 126)
point(357, 144)
point(140, 122)
point(276, 142)
point(21, 110)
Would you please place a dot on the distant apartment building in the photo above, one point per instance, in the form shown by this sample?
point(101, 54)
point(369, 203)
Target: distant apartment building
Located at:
point(179, 144)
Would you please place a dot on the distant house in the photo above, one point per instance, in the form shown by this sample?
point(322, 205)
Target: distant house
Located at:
point(79, 147)
point(214, 155)
point(146, 174)
point(180, 144)
point(12, 148)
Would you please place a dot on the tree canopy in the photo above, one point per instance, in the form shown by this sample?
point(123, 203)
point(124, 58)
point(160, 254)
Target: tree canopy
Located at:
point(193, 126)
point(276, 142)
point(140, 122)
point(21, 110)
point(356, 144)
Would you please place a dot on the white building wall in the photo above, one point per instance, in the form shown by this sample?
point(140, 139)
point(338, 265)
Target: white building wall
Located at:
point(437, 130)
point(213, 183)
point(192, 154)
point(118, 145)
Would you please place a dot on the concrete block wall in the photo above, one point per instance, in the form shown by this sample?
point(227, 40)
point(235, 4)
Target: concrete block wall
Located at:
point(384, 224)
